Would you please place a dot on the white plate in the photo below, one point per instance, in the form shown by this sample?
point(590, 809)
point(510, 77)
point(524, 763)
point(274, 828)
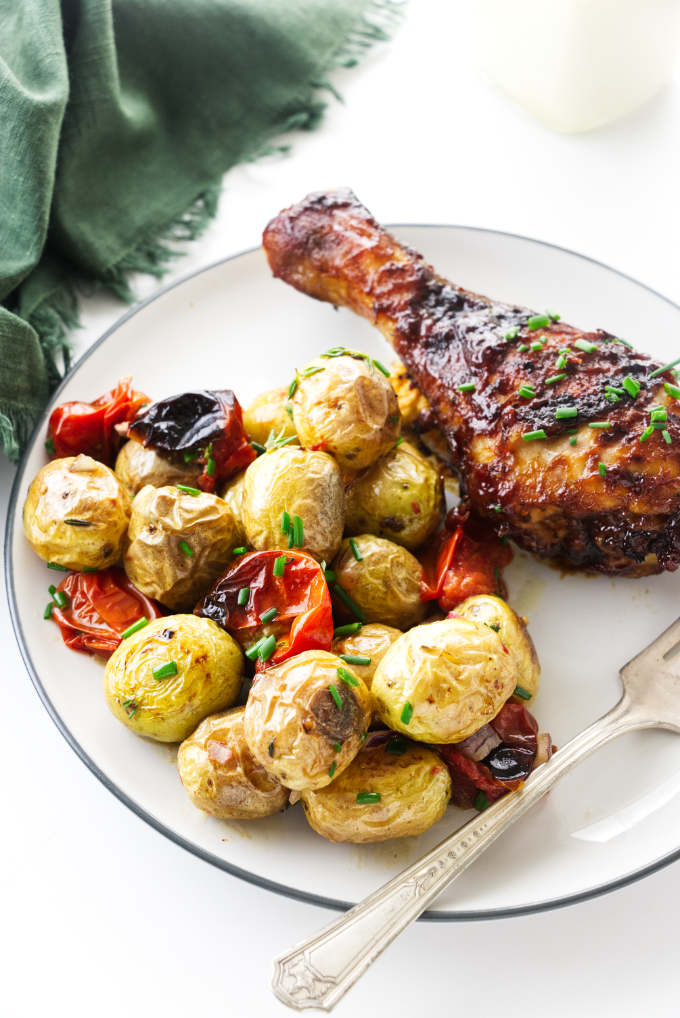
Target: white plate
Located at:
point(615, 818)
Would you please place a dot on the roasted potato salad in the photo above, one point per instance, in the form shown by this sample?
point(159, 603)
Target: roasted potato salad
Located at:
point(305, 719)
point(365, 648)
point(267, 416)
point(76, 514)
point(498, 614)
point(383, 580)
point(173, 672)
point(138, 465)
point(344, 405)
point(388, 791)
point(300, 483)
point(401, 497)
point(222, 776)
point(178, 544)
point(442, 681)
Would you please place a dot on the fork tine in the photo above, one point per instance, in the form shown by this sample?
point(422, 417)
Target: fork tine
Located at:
point(659, 647)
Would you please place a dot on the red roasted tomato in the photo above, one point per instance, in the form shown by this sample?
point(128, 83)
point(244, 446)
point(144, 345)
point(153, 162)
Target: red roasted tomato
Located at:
point(88, 428)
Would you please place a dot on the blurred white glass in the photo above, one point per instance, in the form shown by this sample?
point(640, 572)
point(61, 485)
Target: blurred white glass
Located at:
point(578, 64)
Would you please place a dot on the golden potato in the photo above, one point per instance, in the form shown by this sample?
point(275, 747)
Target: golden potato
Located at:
point(305, 723)
point(203, 667)
point(221, 775)
point(266, 414)
point(400, 497)
point(371, 641)
point(385, 584)
point(497, 614)
point(414, 789)
point(138, 465)
point(76, 514)
point(442, 681)
point(178, 544)
point(345, 406)
point(409, 397)
point(233, 496)
point(303, 483)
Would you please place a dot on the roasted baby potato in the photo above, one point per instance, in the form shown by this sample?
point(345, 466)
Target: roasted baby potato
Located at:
point(305, 723)
point(168, 676)
point(138, 465)
point(178, 544)
point(222, 776)
point(442, 681)
point(76, 514)
point(302, 483)
point(267, 415)
point(345, 406)
point(494, 612)
point(384, 583)
point(371, 641)
point(409, 397)
point(400, 497)
point(413, 786)
point(233, 496)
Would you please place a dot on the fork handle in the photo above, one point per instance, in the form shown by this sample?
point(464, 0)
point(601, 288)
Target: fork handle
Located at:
point(317, 972)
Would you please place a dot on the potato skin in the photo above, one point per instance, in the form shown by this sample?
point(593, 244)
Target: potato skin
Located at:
point(414, 788)
point(233, 496)
point(210, 666)
point(513, 633)
point(220, 774)
point(77, 488)
point(385, 583)
point(138, 465)
point(293, 725)
point(372, 640)
point(304, 483)
point(455, 674)
point(347, 408)
point(401, 497)
point(154, 561)
point(409, 397)
point(266, 414)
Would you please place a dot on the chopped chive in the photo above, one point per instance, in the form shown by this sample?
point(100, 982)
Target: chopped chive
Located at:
point(333, 690)
point(337, 747)
point(522, 693)
point(292, 388)
point(289, 410)
point(210, 467)
point(381, 367)
point(91, 569)
point(522, 347)
point(611, 396)
point(269, 615)
point(47, 614)
point(659, 414)
point(599, 425)
point(399, 441)
point(78, 523)
point(617, 339)
point(552, 316)
point(631, 385)
point(134, 628)
point(512, 333)
point(188, 490)
point(532, 436)
point(311, 370)
point(565, 413)
point(165, 671)
point(526, 392)
point(481, 802)
point(291, 538)
point(49, 446)
point(243, 596)
point(646, 433)
point(536, 346)
point(239, 551)
point(57, 567)
point(497, 508)
point(186, 549)
point(602, 467)
point(52, 589)
point(406, 713)
point(467, 387)
point(329, 576)
point(561, 362)
point(190, 455)
point(59, 597)
point(355, 551)
point(298, 532)
point(585, 345)
point(555, 378)
point(397, 745)
point(538, 322)
point(254, 651)
point(285, 522)
point(279, 565)
point(347, 677)
point(259, 448)
point(355, 659)
point(666, 367)
point(267, 647)
point(131, 707)
point(332, 769)
point(349, 602)
point(363, 736)
point(346, 630)
point(666, 435)
point(572, 441)
point(672, 390)
point(364, 798)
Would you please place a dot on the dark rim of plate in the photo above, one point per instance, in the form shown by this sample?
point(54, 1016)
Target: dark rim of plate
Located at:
point(252, 878)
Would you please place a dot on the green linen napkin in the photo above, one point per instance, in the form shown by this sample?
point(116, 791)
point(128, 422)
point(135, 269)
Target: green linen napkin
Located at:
point(117, 120)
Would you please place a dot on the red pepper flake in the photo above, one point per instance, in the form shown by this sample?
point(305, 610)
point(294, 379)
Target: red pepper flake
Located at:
point(416, 508)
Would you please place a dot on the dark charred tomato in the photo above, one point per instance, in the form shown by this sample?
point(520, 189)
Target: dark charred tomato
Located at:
point(206, 426)
point(303, 619)
point(100, 608)
point(504, 768)
point(90, 428)
point(468, 561)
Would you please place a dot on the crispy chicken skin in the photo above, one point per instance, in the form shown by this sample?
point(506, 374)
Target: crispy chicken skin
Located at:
point(609, 501)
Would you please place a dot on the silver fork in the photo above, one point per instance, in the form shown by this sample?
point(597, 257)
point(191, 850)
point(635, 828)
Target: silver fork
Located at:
point(317, 972)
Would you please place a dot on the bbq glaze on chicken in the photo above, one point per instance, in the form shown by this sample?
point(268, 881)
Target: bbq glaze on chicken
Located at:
point(567, 441)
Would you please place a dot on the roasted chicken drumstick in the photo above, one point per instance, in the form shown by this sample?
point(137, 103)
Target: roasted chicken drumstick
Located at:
point(567, 441)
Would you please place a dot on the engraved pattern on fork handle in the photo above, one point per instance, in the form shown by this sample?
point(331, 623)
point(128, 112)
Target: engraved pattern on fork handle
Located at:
point(317, 972)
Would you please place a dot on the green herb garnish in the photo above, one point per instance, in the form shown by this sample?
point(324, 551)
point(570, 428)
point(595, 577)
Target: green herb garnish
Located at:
point(538, 322)
point(279, 565)
point(188, 490)
point(355, 551)
point(533, 436)
point(333, 690)
point(565, 413)
point(285, 522)
point(243, 597)
point(556, 378)
point(349, 602)
point(526, 392)
point(406, 713)
point(585, 345)
point(522, 693)
point(467, 387)
point(57, 567)
point(380, 367)
point(355, 659)
point(602, 467)
point(134, 628)
point(269, 615)
point(267, 647)
point(481, 802)
point(298, 532)
point(631, 385)
point(347, 677)
point(364, 798)
point(165, 671)
point(186, 549)
point(332, 769)
point(666, 367)
point(346, 630)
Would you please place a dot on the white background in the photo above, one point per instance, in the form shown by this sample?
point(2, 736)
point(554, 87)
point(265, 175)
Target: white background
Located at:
point(100, 914)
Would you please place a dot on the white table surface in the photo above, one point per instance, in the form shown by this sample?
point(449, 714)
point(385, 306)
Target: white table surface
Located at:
point(100, 914)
